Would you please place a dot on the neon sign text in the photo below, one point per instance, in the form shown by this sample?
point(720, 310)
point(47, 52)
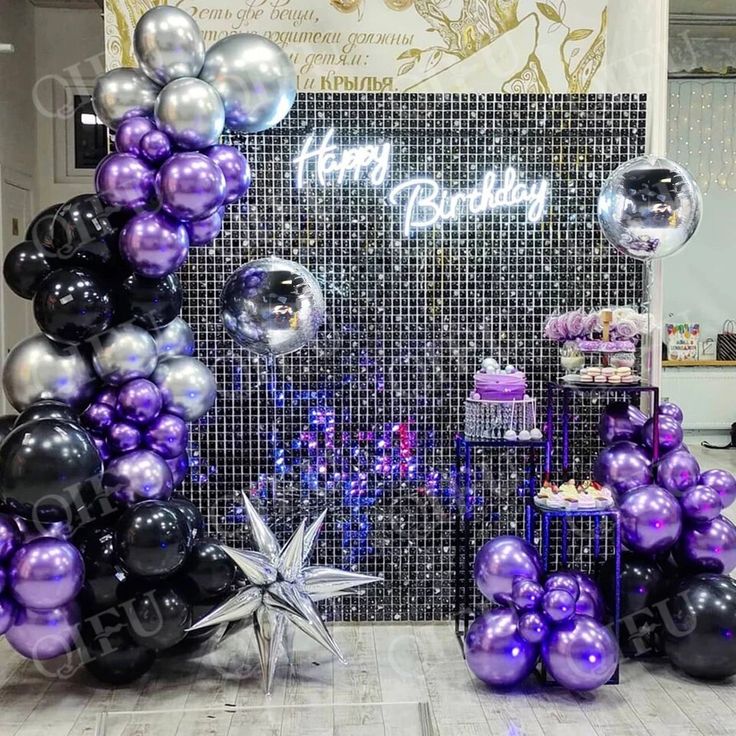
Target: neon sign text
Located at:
point(371, 161)
point(424, 201)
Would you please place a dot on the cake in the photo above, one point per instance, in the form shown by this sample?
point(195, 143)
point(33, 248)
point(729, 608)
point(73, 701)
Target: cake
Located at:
point(499, 407)
point(500, 386)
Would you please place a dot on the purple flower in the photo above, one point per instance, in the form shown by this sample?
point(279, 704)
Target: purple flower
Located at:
point(626, 329)
point(576, 324)
point(592, 324)
point(550, 329)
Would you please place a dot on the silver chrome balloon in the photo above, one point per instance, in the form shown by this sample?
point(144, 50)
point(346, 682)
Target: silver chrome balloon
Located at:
point(190, 112)
point(168, 44)
point(123, 93)
point(124, 353)
point(649, 207)
point(278, 590)
point(38, 368)
point(176, 338)
point(255, 78)
point(272, 306)
point(187, 386)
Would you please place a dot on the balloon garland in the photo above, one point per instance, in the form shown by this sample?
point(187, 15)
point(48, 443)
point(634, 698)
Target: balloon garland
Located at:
point(682, 548)
point(560, 621)
point(97, 552)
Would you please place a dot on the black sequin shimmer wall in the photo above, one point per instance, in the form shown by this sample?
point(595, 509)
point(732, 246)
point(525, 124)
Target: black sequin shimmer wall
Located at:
point(362, 421)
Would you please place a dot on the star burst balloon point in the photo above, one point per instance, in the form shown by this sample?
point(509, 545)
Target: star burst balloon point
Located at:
point(282, 589)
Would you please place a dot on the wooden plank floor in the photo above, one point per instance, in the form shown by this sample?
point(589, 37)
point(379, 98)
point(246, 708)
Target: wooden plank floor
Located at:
point(387, 662)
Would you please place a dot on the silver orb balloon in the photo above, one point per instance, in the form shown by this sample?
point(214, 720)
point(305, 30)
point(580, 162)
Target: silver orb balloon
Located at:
point(255, 78)
point(123, 93)
point(168, 44)
point(124, 353)
point(272, 306)
point(187, 386)
point(38, 368)
point(190, 112)
point(176, 338)
point(649, 207)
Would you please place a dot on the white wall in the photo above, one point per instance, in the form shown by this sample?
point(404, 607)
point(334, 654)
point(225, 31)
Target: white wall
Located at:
point(700, 281)
point(17, 154)
point(69, 50)
point(17, 115)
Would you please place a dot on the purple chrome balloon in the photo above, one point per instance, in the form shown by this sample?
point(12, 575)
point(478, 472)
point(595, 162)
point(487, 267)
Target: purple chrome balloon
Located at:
point(103, 448)
point(123, 180)
point(670, 434)
point(651, 520)
point(563, 581)
point(8, 610)
point(108, 396)
point(590, 602)
point(10, 537)
point(668, 409)
point(581, 654)
point(622, 467)
point(44, 634)
point(620, 421)
point(205, 230)
point(139, 401)
point(533, 627)
point(708, 547)
point(701, 504)
point(140, 475)
point(677, 471)
point(190, 186)
point(496, 652)
point(234, 167)
point(155, 146)
point(526, 594)
point(500, 561)
point(98, 418)
point(721, 481)
point(46, 573)
point(154, 244)
point(129, 134)
point(124, 437)
point(179, 467)
point(167, 435)
point(558, 605)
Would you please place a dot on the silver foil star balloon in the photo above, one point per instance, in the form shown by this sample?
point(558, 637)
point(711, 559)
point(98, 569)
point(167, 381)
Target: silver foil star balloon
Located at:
point(282, 589)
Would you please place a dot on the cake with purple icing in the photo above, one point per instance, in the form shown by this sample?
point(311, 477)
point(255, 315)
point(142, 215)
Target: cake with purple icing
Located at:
point(503, 385)
point(499, 406)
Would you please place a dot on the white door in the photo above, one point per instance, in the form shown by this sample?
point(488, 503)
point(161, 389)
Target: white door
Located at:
point(15, 214)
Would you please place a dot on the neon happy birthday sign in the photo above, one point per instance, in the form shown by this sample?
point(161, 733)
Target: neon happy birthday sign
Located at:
point(425, 203)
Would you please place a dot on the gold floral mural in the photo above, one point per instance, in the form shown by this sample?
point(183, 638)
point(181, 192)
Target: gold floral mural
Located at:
point(482, 23)
point(419, 45)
